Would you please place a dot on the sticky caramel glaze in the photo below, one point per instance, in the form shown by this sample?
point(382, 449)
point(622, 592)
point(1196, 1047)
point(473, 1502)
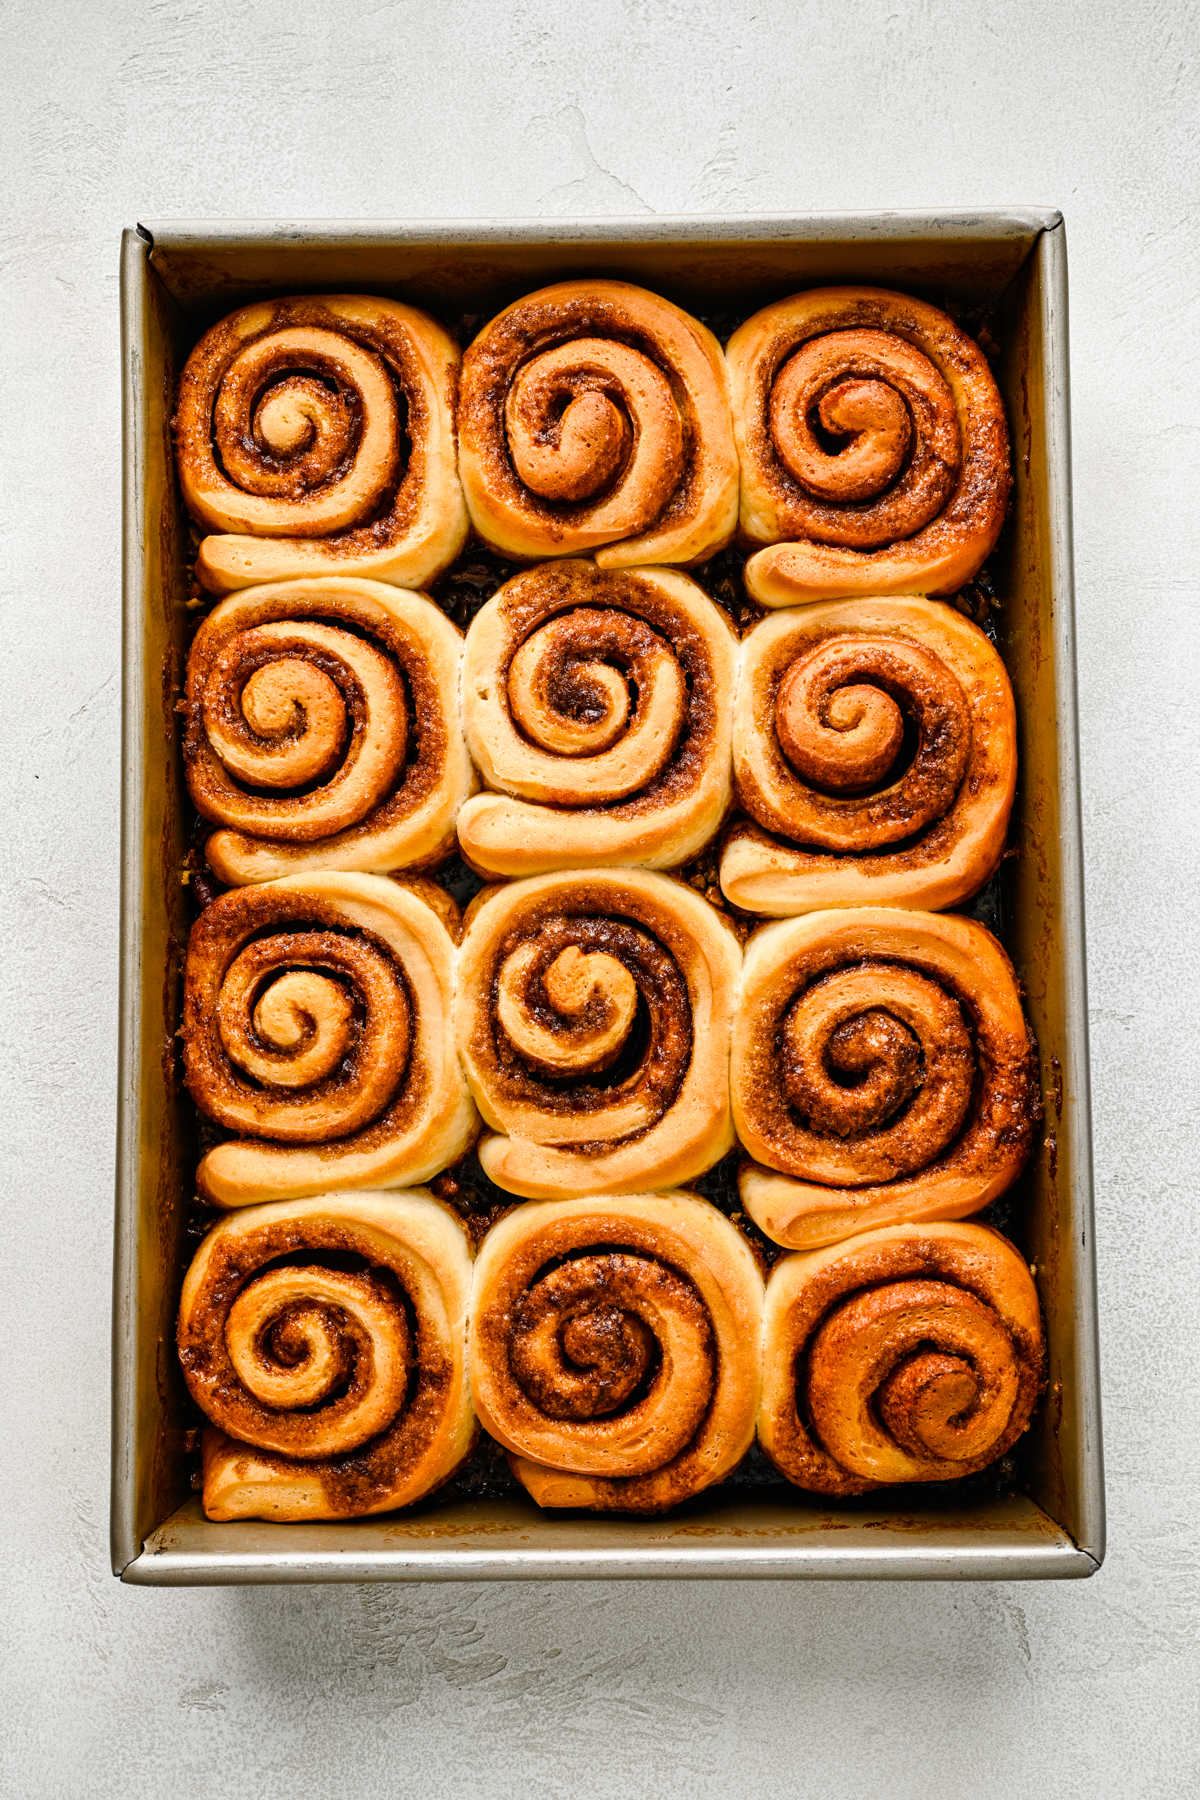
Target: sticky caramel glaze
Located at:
point(595, 415)
point(875, 751)
point(335, 1390)
point(598, 703)
point(873, 445)
point(324, 730)
point(316, 1027)
point(593, 1019)
point(881, 1071)
point(614, 1349)
point(316, 436)
point(911, 1353)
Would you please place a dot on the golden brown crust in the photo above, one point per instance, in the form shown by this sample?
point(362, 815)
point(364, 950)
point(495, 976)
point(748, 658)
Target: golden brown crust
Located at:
point(323, 730)
point(598, 702)
point(315, 435)
point(614, 1349)
point(324, 1339)
point(595, 415)
point(910, 1353)
point(316, 1028)
point(593, 1019)
point(873, 446)
point(875, 750)
point(881, 1070)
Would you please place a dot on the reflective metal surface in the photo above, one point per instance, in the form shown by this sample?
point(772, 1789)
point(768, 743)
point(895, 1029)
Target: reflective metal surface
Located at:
point(177, 277)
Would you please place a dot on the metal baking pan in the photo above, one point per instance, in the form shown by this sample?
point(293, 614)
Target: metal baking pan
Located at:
point(176, 278)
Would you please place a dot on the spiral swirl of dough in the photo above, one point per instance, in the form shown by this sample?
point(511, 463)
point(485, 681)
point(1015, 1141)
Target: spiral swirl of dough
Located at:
point(593, 1021)
point(316, 1031)
point(875, 750)
point(882, 1071)
point(614, 1348)
point(324, 1340)
point(909, 1353)
point(873, 446)
point(323, 730)
point(595, 415)
point(315, 436)
point(598, 704)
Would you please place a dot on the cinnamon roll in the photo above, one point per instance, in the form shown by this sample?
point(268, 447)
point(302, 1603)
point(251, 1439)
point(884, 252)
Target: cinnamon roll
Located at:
point(324, 1339)
point(593, 1022)
point(316, 1030)
point(882, 1071)
point(911, 1353)
point(315, 436)
point(595, 415)
point(598, 703)
point(614, 1349)
point(323, 729)
point(875, 750)
point(873, 446)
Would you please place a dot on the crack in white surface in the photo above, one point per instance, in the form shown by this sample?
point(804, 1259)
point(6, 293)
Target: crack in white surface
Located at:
point(597, 182)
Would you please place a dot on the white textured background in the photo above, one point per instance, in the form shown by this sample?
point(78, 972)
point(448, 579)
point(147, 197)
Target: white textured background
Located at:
point(114, 112)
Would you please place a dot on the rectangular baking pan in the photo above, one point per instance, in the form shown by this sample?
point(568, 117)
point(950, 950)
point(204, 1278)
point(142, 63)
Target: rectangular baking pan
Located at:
point(175, 279)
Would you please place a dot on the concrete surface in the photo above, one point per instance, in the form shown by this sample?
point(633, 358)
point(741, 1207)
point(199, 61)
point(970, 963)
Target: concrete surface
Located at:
point(118, 111)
